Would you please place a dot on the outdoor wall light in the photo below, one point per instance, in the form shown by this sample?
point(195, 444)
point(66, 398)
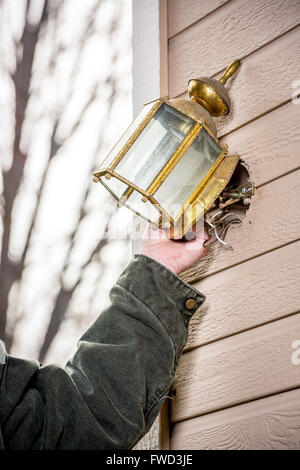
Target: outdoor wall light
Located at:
point(169, 167)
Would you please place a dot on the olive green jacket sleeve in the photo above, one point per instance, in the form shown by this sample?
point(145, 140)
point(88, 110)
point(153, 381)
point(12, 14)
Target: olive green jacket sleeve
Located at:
point(108, 395)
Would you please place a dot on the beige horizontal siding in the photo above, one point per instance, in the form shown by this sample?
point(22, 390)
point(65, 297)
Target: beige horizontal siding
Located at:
point(233, 385)
point(234, 31)
point(248, 295)
point(270, 144)
point(263, 82)
point(271, 423)
point(237, 369)
point(182, 14)
point(272, 221)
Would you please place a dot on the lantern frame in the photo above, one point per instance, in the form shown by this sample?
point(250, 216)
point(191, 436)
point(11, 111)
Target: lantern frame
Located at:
point(189, 207)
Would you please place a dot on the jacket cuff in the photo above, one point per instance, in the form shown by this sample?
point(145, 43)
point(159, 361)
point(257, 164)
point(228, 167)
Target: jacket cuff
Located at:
point(165, 294)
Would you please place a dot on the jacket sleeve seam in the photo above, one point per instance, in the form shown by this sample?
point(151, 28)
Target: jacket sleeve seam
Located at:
point(159, 394)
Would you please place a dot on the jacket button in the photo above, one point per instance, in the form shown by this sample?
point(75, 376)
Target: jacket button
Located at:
point(190, 304)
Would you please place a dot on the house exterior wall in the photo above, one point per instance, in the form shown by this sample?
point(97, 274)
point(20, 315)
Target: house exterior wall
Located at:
point(238, 382)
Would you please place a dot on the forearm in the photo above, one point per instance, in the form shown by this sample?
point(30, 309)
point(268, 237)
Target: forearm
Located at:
point(109, 394)
point(140, 337)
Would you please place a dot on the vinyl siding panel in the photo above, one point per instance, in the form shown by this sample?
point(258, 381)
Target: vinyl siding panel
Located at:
point(237, 387)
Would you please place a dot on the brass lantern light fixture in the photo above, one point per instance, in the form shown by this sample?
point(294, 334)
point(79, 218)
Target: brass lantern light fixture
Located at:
point(169, 167)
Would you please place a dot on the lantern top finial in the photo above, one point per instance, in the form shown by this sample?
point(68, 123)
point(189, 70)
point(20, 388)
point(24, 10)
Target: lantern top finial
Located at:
point(211, 93)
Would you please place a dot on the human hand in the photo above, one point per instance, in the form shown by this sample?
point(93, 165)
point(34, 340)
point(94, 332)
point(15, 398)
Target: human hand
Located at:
point(177, 255)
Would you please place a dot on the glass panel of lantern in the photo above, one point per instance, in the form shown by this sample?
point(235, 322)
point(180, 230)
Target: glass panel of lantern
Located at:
point(151, 151)
point(154, 147)
point(186, 176)
point(127, 134)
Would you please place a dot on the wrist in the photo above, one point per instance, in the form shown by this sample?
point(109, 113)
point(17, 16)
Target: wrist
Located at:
point(163, 260)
